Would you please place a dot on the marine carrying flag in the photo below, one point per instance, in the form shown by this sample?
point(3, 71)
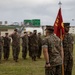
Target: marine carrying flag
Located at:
point(58, 25)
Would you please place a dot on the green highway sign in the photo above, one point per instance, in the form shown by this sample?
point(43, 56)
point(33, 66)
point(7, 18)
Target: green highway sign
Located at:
point(32, 23)
point(36, 22)
point(27, 22)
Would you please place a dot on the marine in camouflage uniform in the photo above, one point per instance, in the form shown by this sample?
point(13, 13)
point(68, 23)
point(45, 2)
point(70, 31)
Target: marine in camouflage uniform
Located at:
point(52, 53)
point(30, 44)
point(6, 46)
point(1, 45)
point(68, 42)
point(39, 45)
point(24, 45)
point(15, 44)
point(34, 45)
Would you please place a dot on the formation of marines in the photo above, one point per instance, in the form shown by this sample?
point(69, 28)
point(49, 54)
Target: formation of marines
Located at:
point(31, 43)
point(34, 43)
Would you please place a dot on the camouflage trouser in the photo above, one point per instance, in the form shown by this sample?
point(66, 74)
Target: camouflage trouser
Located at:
point(68, 66)
point(30, 53)
point(0, 52)
point(15, 50)
point(34, 52)
point(6, 51)
point(39, 52)
point(55, 70)
point(24, 52)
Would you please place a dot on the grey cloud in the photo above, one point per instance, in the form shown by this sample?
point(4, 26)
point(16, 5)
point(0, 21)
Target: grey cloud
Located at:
point(18, 10)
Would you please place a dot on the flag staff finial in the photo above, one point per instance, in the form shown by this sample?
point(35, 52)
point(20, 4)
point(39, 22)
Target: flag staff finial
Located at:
point(59, 3)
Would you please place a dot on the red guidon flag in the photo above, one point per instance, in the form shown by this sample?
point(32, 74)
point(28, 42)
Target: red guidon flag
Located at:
point(58, 25)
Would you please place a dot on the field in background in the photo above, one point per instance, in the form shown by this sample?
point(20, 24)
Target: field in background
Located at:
point(24, 67)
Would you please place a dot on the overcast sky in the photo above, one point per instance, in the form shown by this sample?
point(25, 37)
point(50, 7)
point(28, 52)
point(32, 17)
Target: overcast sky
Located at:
point(45, 10)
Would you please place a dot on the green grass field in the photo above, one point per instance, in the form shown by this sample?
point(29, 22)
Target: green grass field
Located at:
point(24, 67)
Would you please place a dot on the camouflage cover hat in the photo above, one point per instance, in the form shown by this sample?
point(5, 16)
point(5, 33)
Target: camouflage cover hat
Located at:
point(67, 25)
point(25, 32)
point(15, 30)
point(50, 28)
point(34, 30)
point(6, 33)
point(39, 33)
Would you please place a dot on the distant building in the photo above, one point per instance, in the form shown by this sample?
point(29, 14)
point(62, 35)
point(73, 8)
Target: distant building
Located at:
point(0, 22)
point(10, 29)
point(5, 22)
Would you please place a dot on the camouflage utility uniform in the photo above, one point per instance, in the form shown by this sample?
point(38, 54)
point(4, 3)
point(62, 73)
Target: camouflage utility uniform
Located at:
point(6, 47)
point(1, 45)
point(52, 42)
point(68, 53)
point(15, 45)
point(34, 46)
point(24, 46)
point(39, 45)
point(30, 44)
